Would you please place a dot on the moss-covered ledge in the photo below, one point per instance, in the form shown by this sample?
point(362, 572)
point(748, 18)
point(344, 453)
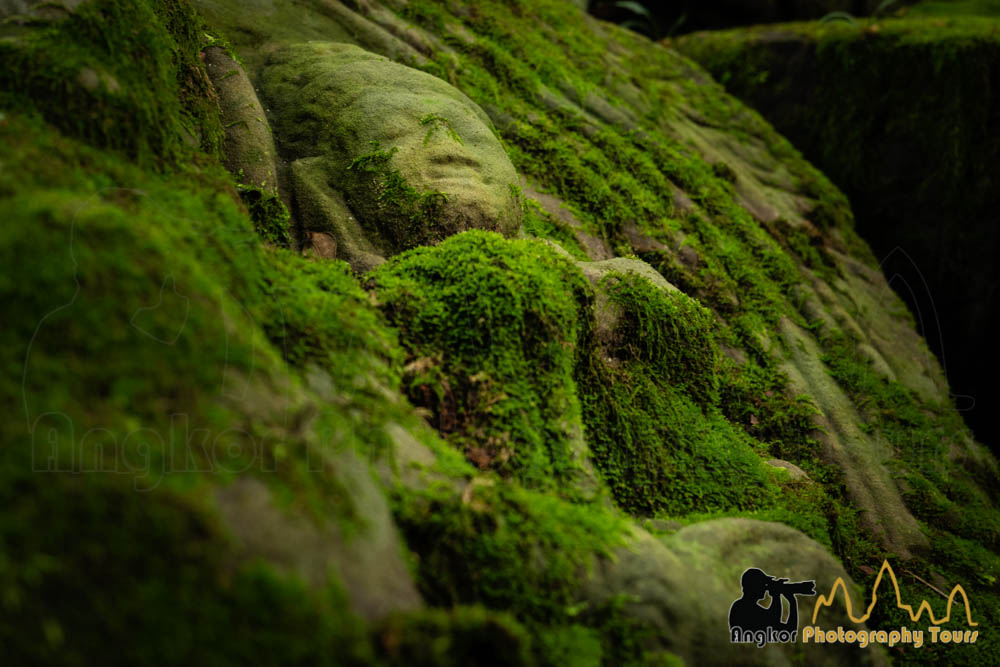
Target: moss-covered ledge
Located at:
point(900, 114)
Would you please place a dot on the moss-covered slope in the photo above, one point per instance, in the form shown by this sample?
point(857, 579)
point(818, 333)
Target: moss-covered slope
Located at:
point(900, 114)
point(486, 451)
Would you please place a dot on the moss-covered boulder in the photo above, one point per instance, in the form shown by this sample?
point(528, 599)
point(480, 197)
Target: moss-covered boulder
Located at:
point(676, 583)
point(248, 151)
point(191, 478)
point(415, 159)
point(494, 331)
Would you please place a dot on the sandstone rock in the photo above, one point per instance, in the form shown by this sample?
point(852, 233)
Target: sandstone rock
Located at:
point(366, 558)
point(415, 159)
point(795, 473)
point(249, 148)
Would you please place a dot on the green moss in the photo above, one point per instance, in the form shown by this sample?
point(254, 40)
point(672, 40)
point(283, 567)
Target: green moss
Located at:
point(807, 245)
point(491, 328)
point(398, 210)
point(171, 595)
point(908, 150)
point(540, 224)
point(168, 285)
point(495, 339)
point(269, 215)
point(120, 75)
point(944, 494)
point(459, 636)
point(651, 415)
point(962, 522)
point(952, 8)
point(664, 439)
point(670, 335)
point(436, 122)
point(527, 553)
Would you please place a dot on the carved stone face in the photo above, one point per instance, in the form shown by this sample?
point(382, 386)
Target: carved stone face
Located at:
point(343, 103)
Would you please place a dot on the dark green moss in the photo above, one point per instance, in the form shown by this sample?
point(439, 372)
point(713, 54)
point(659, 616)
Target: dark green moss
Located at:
point(459, 636)
point(269, 215)
point(168, 285)
point(148, 574)
point(944, 494)
point(910, 152)
point(403, 215)
point(527, 553)
point(119, 75)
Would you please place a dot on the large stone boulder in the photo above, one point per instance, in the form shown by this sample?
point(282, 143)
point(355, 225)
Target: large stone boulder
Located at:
point(415, 159)
point(684, 584)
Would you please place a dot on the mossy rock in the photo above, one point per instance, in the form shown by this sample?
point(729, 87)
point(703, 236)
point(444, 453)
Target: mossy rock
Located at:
point(493, 331)
point(416, 160)
point(682, 587)
point(192, 403)
point(248, 151)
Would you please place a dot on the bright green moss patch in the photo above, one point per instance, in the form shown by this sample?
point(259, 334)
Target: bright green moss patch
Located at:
point(670, 335)
point(322, 313)
point(756, 397)
point(650, 411)
point(492, 330)
point(659, 453)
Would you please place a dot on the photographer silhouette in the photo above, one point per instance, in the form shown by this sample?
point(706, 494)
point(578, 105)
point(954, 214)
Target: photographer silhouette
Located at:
point(747, 615)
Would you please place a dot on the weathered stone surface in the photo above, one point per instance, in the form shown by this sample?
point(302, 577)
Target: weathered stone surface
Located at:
point(249, 148)
point(365, 557)
point(861, 456)
point(594, 271)
point(683, 585)
point(795, 473)
point(320, 209)
point(415, 158)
